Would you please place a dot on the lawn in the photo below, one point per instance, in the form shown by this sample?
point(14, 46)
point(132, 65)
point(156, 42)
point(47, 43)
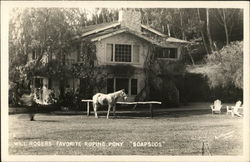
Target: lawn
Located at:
point(168, 133)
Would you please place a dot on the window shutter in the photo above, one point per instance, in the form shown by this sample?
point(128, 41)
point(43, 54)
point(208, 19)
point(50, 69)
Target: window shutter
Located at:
point(109, 52)
point(133, 86)
point(136, 53)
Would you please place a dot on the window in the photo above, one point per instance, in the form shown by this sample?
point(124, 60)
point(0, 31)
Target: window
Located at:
point(133, 86)
point(122, 53)
point(38, 82)
point(115, 84)
point(167, 53)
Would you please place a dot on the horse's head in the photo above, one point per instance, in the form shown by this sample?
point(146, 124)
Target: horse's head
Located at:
point(123, 94)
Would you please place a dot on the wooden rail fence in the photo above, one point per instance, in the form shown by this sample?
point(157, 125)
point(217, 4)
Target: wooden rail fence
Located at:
point(150, 103)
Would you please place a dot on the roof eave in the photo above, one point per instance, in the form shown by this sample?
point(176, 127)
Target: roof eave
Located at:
point(100, 29)
point(153, 30)
point(99, 38)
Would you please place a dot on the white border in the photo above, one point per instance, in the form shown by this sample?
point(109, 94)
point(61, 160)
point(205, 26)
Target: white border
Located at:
point(5, 6)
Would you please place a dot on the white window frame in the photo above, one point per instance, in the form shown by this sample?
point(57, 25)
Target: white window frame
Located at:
point(114, 53)
point(132, 53)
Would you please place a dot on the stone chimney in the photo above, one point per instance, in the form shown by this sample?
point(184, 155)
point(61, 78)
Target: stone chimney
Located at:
point(130, 18)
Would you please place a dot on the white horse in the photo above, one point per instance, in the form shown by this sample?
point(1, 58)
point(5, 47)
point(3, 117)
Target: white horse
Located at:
point(107, 99)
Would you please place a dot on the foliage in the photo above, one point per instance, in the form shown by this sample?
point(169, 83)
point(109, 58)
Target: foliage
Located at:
point(86, 66)
point(53, 69)
point(86, 69)
point(69, 99)
point(39, 31)
point(190, 24)
point(225, 67)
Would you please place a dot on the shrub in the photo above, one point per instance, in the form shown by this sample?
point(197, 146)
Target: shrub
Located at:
point(224, 67)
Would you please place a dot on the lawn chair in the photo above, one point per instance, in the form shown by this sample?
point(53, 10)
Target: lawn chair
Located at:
point(234, 110)
point(216, 107)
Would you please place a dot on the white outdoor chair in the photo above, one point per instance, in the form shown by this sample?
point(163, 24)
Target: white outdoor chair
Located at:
point(234, 110)
point(216, 107)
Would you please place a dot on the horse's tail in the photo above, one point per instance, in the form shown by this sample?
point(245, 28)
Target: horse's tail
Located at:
point(95, 98)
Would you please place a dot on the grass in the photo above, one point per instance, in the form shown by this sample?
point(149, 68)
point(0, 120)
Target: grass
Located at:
point(172, 133)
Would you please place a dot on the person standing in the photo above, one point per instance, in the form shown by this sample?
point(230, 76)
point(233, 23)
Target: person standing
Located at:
point(29, 101)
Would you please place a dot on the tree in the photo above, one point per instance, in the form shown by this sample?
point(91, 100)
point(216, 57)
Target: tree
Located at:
point(208, 30)
point(224, 67)
point(201, 24)
point(225, 18)
point(39, 31)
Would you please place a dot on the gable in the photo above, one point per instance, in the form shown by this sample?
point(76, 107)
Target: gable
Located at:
point(123, 38)
point(156, 41)
point(102, 31)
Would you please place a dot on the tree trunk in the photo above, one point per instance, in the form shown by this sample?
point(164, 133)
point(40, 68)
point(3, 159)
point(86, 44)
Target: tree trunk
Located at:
point(208, 31)
point(225, 26)
point(191, 57)
point(202, 33)
point(182, 29)
point(169, 33)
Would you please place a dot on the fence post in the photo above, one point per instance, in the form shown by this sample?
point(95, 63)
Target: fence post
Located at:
point(151, 110)
point(87, 108)
point(203, 149)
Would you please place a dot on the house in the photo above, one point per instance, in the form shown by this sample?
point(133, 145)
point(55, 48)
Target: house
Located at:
point(122, 45)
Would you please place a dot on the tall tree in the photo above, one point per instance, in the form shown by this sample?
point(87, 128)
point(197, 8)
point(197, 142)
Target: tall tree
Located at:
point(208, 30)
point(201, 24)
point(38, 31)
point(225, 18)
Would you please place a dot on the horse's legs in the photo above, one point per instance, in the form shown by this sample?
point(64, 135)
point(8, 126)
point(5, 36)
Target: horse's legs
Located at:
point(114, 110)
point(108, 111)
point(95, 109)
